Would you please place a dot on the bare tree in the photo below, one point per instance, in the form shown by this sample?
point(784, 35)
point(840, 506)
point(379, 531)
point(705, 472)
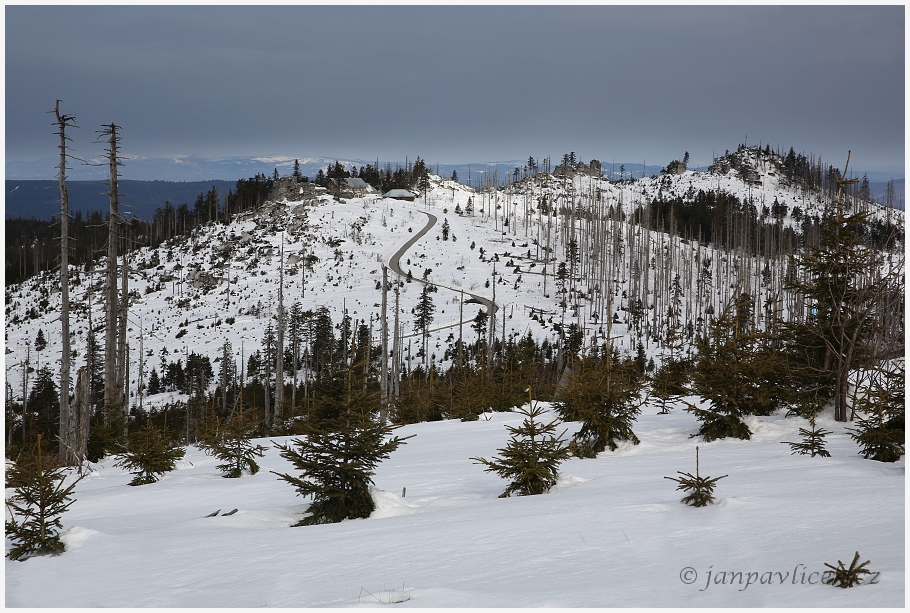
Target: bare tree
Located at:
point(67, 434)
point(384, 323)
point(279, 357)
point(113, 389)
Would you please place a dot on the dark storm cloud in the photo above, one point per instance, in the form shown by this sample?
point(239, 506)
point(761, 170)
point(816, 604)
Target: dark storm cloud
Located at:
point(462, 83)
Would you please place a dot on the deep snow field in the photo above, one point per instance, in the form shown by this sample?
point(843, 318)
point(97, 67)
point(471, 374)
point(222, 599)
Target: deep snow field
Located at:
point(612, 533)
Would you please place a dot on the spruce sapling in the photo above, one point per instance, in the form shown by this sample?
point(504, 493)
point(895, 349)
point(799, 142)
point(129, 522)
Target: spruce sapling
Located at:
point(38, 501)
point(231, 444)
point(701, 489)
point(846, 577)
point(337, 460)
point(881, 432)
point(149, 454)
point(813, 442)
point(603, 394)
point(532, 457)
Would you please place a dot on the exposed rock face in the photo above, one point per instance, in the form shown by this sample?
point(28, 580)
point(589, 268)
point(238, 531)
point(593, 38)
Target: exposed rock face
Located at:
point(750, 175)
point(287, 188)
point(593, 169)
point(749, 163)
point(201, 279)
point(675, 168)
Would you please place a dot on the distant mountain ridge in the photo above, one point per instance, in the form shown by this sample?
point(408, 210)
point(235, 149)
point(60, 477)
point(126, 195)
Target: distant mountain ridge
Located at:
point(207, 168)
point(150, 181)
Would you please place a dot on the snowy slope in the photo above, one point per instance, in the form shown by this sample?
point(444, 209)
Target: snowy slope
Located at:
point(182, 286)
point(612, 533)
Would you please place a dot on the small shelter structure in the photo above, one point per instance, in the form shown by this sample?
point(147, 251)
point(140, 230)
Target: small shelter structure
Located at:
point(358, 186)
point(400, 194)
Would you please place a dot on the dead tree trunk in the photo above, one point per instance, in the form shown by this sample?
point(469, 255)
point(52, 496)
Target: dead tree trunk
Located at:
point(123, 353)
point(67, 431)
point(81, 415)
point(112, 388)
point(279, 357)
point(384, 324)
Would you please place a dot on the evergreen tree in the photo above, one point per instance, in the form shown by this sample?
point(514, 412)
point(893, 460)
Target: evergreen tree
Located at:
point(154, 385)
point(198, 374)
point(640, 358)
point(844, 288)
point(881, 432)
point(738, 373)
point(479, 324)
point(532, 456)
point(337, 460)
point(44, 404)
point(344, 442)
point(94, 358)
point(149, 454)
point(39, 498)
point(230, 443)
point(812, 443)
point(254, 365)
point(105, 435)
point(322, 340)
point(423, 315)
point(40, 344)
point(445, 229)
point(701, 489)
point(227, 371)
point(670, 379)
point(603, 393)
point(843, 576)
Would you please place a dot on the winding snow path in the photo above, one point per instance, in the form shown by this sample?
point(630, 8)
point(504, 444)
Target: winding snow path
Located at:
point(396, 268)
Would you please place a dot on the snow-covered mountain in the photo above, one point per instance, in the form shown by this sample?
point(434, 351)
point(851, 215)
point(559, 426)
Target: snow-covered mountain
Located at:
point(611, 533)
point(193, 285)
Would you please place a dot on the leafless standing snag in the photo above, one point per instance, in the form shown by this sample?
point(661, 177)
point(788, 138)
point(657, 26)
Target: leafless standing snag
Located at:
point(69, 454)
point(115, 309)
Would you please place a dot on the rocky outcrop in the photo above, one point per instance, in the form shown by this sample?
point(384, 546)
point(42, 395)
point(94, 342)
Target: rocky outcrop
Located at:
point(674, 168)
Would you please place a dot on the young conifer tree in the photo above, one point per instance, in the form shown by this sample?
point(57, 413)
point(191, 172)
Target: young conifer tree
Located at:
point(344, 443)
point(230, 443)
point(843, 576)
point(149, 454)
point(532, 457)
point(39, 498)
point(337, 460)
point(738, 373)
point(669, 380)
point(603, 394)
point(812, 443)
point(880, 433)
point(701, 489)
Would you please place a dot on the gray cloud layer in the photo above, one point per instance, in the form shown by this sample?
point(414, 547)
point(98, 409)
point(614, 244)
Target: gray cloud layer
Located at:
point(461, 83)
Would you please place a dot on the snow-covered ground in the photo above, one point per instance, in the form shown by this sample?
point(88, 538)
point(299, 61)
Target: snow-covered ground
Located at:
point(613, 532)
point(192, 286)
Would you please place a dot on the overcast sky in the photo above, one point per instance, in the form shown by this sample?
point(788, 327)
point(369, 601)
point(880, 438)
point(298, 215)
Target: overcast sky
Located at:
point(461, 83)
